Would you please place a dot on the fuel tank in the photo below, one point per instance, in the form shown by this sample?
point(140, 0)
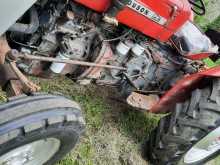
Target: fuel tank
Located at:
point(97, 5)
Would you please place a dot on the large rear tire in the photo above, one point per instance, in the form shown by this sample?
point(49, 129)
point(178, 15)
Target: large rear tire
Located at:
point(190, 133)
point(38, 129)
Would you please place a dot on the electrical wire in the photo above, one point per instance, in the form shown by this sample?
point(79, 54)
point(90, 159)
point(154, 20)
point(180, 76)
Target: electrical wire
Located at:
point(118, 38)
point(22, 44)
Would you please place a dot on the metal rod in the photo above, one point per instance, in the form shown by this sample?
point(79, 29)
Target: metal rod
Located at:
point(73, 62)
point(29, 86)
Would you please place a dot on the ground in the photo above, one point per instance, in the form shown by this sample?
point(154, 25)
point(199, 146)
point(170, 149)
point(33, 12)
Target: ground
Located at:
point(115, 132)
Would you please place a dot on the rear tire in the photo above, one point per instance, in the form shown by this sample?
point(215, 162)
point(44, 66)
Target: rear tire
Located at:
point(188, 124)
point(40, 122)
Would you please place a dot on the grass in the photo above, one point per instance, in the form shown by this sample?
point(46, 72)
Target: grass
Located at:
point(3, 97)
point(215, 24)
point(114, 133)
point(201, 20)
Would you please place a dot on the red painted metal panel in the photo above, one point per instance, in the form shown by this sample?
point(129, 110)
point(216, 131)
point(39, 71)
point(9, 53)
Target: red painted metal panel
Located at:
point(176, 94)
point(213, 72)
point(182, 89)
point(143, 24)
point(199, 56)
point(97, 5)
point(177, 12)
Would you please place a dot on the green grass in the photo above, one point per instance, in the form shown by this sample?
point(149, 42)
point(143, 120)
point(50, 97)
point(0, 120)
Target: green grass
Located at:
point(109, 123)
point(215, 24)
point(200, 20)
point(214, 162)
point(203, 21)
point(3, 97)
point(93, 108)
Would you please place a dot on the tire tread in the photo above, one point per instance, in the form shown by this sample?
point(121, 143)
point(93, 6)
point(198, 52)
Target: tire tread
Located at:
point(189, 123)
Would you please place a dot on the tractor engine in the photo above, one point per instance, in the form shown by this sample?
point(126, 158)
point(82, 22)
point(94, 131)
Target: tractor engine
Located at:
point(71, 31)
point(150, 66)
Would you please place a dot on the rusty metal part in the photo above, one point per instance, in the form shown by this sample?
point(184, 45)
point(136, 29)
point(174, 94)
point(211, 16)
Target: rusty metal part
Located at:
point(104, 56)
point(6, 74)
point(28, 86)
point(11, 78)
point(8, 79)
point(14, 88)
point(4, 48)
point(73, 62)
point(143, 102)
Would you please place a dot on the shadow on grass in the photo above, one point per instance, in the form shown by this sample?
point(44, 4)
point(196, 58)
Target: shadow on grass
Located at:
point(137, 125)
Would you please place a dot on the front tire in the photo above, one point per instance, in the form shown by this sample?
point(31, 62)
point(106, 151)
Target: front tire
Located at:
point(190, 133)
point(39, 129)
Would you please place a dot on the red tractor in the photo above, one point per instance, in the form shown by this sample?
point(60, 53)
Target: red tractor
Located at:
point(149, 50)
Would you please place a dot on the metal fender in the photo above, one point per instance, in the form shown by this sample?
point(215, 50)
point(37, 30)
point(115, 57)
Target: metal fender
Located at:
point(182, 89)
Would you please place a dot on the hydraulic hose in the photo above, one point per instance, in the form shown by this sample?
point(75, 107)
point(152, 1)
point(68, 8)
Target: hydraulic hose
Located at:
point(27, 28)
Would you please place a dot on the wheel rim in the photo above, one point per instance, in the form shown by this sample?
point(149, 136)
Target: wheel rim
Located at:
point(35, 153)
point(204, 149)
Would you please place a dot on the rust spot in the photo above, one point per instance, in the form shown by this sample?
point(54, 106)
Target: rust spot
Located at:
point(143, 102)
point(4, 48)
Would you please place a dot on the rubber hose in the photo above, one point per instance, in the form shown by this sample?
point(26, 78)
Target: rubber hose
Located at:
point(27, 28)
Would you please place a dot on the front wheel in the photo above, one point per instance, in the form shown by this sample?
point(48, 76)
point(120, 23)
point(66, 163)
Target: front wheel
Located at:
point(191, 134)
point(38, 129)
